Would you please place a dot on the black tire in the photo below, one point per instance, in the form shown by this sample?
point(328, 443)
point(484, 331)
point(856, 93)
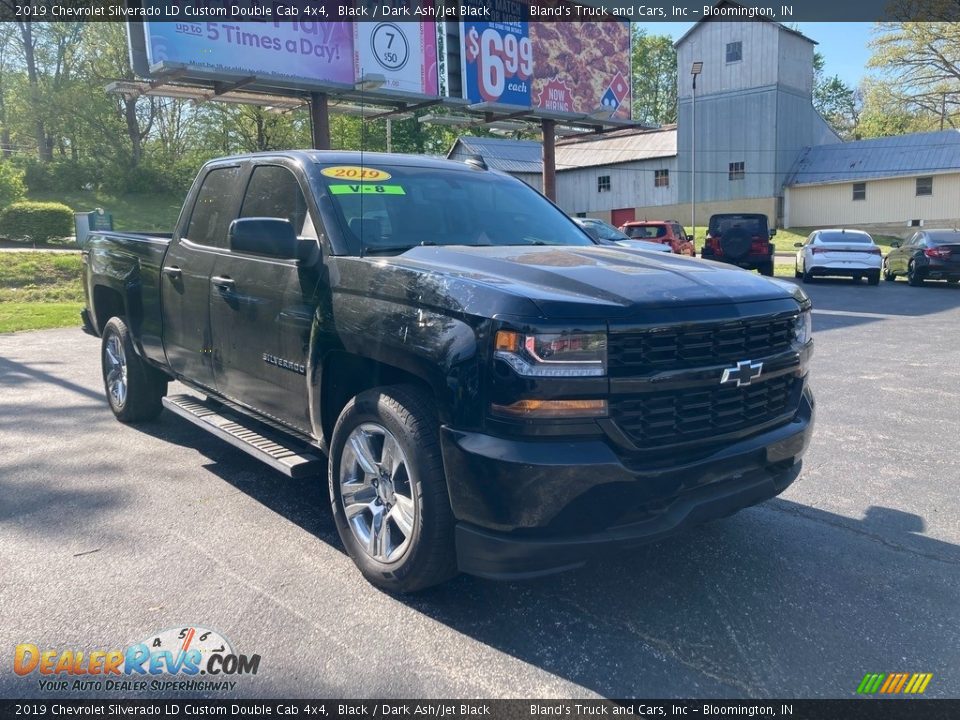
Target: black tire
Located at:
point(143, 386)
point(429, 558)
point(796, 271)
point(874, 278)
point(952, 281)
point(766, 269)
point(887, 275)
point(857, 279)
point(807, 276)
point(914, 276)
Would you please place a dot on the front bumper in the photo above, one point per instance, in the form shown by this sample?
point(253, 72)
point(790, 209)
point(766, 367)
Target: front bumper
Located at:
point(532, 508)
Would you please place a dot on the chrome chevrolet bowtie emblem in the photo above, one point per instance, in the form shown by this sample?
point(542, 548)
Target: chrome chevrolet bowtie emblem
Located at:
point(744, 373)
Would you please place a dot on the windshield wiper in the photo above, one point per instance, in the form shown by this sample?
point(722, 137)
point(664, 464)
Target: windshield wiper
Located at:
point(392, 248)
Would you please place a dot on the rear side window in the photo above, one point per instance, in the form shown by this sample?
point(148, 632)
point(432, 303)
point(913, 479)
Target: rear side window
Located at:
point(211, 212)
point(275, 193)
point(750, 224)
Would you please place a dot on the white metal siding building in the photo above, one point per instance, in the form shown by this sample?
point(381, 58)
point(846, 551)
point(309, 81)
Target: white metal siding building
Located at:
point(904, 181)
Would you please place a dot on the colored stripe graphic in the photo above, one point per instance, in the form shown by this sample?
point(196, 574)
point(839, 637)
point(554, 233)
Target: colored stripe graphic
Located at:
point(894, 683)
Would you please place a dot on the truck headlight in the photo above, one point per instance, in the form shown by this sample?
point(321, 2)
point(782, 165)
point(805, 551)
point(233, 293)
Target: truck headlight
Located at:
point(560, 354)
point(803, 327)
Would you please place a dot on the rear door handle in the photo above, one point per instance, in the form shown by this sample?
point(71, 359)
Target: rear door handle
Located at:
point(172, 272)
point(224, 283)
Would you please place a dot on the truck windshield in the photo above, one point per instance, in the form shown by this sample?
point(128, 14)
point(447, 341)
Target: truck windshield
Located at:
point(397, 208)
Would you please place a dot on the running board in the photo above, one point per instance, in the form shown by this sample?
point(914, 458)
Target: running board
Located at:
point(273, 448)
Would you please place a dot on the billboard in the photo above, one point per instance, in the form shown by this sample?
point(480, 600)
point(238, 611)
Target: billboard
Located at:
point(311, 55)
point(558, 68)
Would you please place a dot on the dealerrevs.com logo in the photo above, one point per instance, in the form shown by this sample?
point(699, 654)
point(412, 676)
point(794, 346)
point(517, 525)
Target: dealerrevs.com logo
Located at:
point(185, 659)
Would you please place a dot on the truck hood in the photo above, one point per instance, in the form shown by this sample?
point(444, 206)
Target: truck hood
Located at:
point(596, 281)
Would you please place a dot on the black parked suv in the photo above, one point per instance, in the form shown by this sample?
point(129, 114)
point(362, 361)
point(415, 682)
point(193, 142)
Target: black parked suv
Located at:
point(741, 239)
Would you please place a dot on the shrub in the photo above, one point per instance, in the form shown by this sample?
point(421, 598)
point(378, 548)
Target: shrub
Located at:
point(11, 184)
point(36, 221)
point(60, 175)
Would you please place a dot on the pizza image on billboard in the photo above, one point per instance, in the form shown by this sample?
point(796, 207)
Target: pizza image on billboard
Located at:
point(580, 67)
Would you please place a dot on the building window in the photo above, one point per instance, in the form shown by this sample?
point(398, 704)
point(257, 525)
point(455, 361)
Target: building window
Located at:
point(581, 215)
point(924, 186)
point(603, 183)
point(734, 51)
point(661, 178)
point(736, 171)
point(859, 191)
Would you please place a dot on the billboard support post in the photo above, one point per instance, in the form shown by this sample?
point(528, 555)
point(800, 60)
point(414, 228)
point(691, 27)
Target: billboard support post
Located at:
point(548, 128)
point(319, 121)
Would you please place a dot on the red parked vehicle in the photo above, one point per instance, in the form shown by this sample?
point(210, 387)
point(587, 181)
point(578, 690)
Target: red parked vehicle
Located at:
point(665, 232)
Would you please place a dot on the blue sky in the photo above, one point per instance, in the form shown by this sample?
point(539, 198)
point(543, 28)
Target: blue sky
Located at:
point(844, 45)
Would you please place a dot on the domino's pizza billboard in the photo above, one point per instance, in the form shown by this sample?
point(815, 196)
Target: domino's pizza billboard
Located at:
point(310, 55)
point(558, 68)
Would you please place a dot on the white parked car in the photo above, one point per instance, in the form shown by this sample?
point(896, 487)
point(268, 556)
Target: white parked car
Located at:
point(845, 253)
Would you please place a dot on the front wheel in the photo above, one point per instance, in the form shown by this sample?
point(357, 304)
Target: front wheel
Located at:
point(887, 275)
point(134, 389)
point(388, 490)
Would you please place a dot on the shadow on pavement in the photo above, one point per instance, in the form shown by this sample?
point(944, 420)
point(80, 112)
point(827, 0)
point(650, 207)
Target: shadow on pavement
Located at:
point(782, 600)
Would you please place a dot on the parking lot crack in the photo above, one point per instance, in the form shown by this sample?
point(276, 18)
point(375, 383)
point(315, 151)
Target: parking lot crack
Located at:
point(665, 649)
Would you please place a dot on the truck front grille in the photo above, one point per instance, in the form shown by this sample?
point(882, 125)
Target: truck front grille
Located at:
point(657, 419)
point(632, 353)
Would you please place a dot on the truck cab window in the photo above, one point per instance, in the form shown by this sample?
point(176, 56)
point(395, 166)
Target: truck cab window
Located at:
point(211, 212)
point(274, 192)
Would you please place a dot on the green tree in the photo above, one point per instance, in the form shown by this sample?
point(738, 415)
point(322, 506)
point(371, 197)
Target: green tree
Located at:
point(838, 103)
point(654, 70)
point(919, 63)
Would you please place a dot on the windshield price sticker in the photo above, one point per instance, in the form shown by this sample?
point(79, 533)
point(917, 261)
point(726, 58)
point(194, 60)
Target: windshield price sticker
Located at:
point(354, 172)
point(367, 190)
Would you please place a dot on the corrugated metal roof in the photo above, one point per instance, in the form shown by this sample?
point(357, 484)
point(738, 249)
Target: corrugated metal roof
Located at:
point(512, 156)
point(617, 147)
point(620, 146)
point(914, 154)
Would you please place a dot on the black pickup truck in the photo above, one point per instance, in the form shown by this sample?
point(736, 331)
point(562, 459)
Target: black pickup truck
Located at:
point(494, 392)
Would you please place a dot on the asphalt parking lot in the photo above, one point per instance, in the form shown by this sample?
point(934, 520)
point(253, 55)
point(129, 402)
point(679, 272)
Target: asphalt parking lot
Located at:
point(111, 533)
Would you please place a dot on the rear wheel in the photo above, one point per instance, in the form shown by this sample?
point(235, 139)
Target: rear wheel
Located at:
point(874, 277)
point(766, 269)
point(857, 279)
point(796, 271)
point(134, 389)
point(807, 276)
point(388, 489)
point(914, 275)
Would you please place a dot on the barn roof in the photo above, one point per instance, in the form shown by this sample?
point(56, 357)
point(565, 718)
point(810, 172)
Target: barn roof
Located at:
point(619, 146)
point(887, 157)
point(508, 155)
point(729, 4)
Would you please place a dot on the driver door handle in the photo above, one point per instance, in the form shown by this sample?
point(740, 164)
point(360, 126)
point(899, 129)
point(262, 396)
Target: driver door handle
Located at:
point(173, 272)
point(224, 283)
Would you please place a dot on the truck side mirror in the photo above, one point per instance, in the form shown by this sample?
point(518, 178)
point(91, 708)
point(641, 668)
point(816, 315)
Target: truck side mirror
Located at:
point(896, 244)
point(272, 237)
point(798, 244)
point(773, 232)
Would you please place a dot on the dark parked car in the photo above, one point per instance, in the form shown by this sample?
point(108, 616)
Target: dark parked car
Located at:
point(494, 392)
point(741, 239)
point(927, 255)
